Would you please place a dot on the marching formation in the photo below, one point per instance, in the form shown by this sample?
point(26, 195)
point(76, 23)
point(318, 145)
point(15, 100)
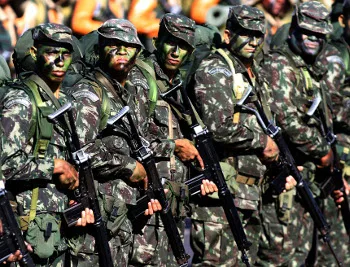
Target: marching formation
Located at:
point(106, 148)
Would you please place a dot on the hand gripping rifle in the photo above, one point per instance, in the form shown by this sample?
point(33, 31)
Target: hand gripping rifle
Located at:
point(155, 189)
point(11, 238)
point(204, 144)
point(86, 193)
point(287, 163)
point(335, 182)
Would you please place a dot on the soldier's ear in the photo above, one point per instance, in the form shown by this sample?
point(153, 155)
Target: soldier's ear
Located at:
point(341, 21)
point(227, 36)
point(33, 51)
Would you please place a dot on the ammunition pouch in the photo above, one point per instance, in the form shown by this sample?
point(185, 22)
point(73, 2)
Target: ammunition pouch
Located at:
point(178, 197)
point(44, 235)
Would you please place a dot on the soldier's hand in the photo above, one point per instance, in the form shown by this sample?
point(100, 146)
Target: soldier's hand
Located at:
point(87, 217)
point(327, 160)
point(338, 195)
point(139, 173)
point(208, 187)
point(270, 152)
point(186, 151)
point(290, 181)
point(17, 256)
point(153, 206)
point(67, 174)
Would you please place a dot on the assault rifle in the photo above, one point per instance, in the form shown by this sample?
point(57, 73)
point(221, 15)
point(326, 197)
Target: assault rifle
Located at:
point(213, 171)
point(11, 238)
point(86, 193)
point(335, 181)
point(287, 165)
point(155, 189)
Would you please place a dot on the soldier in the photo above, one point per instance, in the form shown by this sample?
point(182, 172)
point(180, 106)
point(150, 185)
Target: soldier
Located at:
point(154, 75)
point(100, 94)
point(35, 168)
point(218, 83)
point(297, 73)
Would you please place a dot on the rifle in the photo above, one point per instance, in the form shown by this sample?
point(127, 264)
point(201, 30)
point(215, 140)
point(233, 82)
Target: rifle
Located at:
point(204, 144)
point(287, 163)
point(335, 182)
point(86, 193)
point(155, 189)
point(11, 238)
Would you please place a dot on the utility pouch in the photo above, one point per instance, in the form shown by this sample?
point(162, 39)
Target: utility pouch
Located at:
point(44, 236)
point(285, 204)
point(178, 198)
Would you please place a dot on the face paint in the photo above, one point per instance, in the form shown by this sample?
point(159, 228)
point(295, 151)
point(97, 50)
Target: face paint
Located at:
point(173, 53)
point(309, 43)
point(347, 28)
point(119, 56)
point(245, 46)
point(53, 62)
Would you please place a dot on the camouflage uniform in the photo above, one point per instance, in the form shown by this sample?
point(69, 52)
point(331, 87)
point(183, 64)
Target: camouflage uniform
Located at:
point(295, 83)
point(161, 127)
point(110, 153)
point(340, 98)
point(24, 170)
point(238, 139)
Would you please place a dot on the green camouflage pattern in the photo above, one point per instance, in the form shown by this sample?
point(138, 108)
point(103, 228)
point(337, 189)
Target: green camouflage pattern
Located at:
point(236, 143)
point(112, 166)
point(53, 32)
point(120, 29)
point(313, 16)
point(151, 247)
point(179, 26)
point(247, 17)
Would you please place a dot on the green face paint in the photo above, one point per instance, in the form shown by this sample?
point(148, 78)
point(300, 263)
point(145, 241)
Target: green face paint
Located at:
point(245, 46)
point(53, 62)
point(119, 57)
point(172, 53)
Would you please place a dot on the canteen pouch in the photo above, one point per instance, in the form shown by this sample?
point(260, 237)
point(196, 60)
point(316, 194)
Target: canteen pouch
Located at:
point(44, 235)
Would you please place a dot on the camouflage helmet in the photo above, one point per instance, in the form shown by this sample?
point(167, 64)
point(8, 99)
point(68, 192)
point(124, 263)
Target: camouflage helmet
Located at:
point(120, 29)
point(178, 26)
point(313, 16)
point(49, 32)
point(247, 17)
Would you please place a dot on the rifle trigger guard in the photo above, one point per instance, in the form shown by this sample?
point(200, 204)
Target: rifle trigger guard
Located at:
point(330, 137)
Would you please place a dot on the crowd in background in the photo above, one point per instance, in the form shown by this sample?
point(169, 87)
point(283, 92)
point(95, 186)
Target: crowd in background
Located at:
point(84, 16)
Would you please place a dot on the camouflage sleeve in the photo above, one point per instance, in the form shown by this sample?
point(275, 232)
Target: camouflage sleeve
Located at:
point(340, 100)
point(160, 145)
point(106, 161)
point(289, 115)
point(214, 101)
point(19, 162)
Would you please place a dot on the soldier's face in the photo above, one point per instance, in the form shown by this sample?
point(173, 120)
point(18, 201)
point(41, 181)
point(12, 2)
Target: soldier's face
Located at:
point(119, 56)
point(243, 44)
point(346, 22)
point(310, 43)
point(53, 62)
point(173, 52)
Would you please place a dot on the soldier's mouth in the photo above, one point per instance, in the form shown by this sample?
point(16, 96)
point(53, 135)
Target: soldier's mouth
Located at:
point(59, 73)
point(172, 61)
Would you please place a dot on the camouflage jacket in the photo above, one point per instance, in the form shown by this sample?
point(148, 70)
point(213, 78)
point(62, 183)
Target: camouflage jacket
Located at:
point(21, 169)
point(237, 134)
point(156, 125)
point(341, 93)
point(110, 154)
point(292, 100)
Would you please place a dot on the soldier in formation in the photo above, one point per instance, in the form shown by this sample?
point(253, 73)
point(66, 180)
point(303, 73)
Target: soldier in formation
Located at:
point(304, 68)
